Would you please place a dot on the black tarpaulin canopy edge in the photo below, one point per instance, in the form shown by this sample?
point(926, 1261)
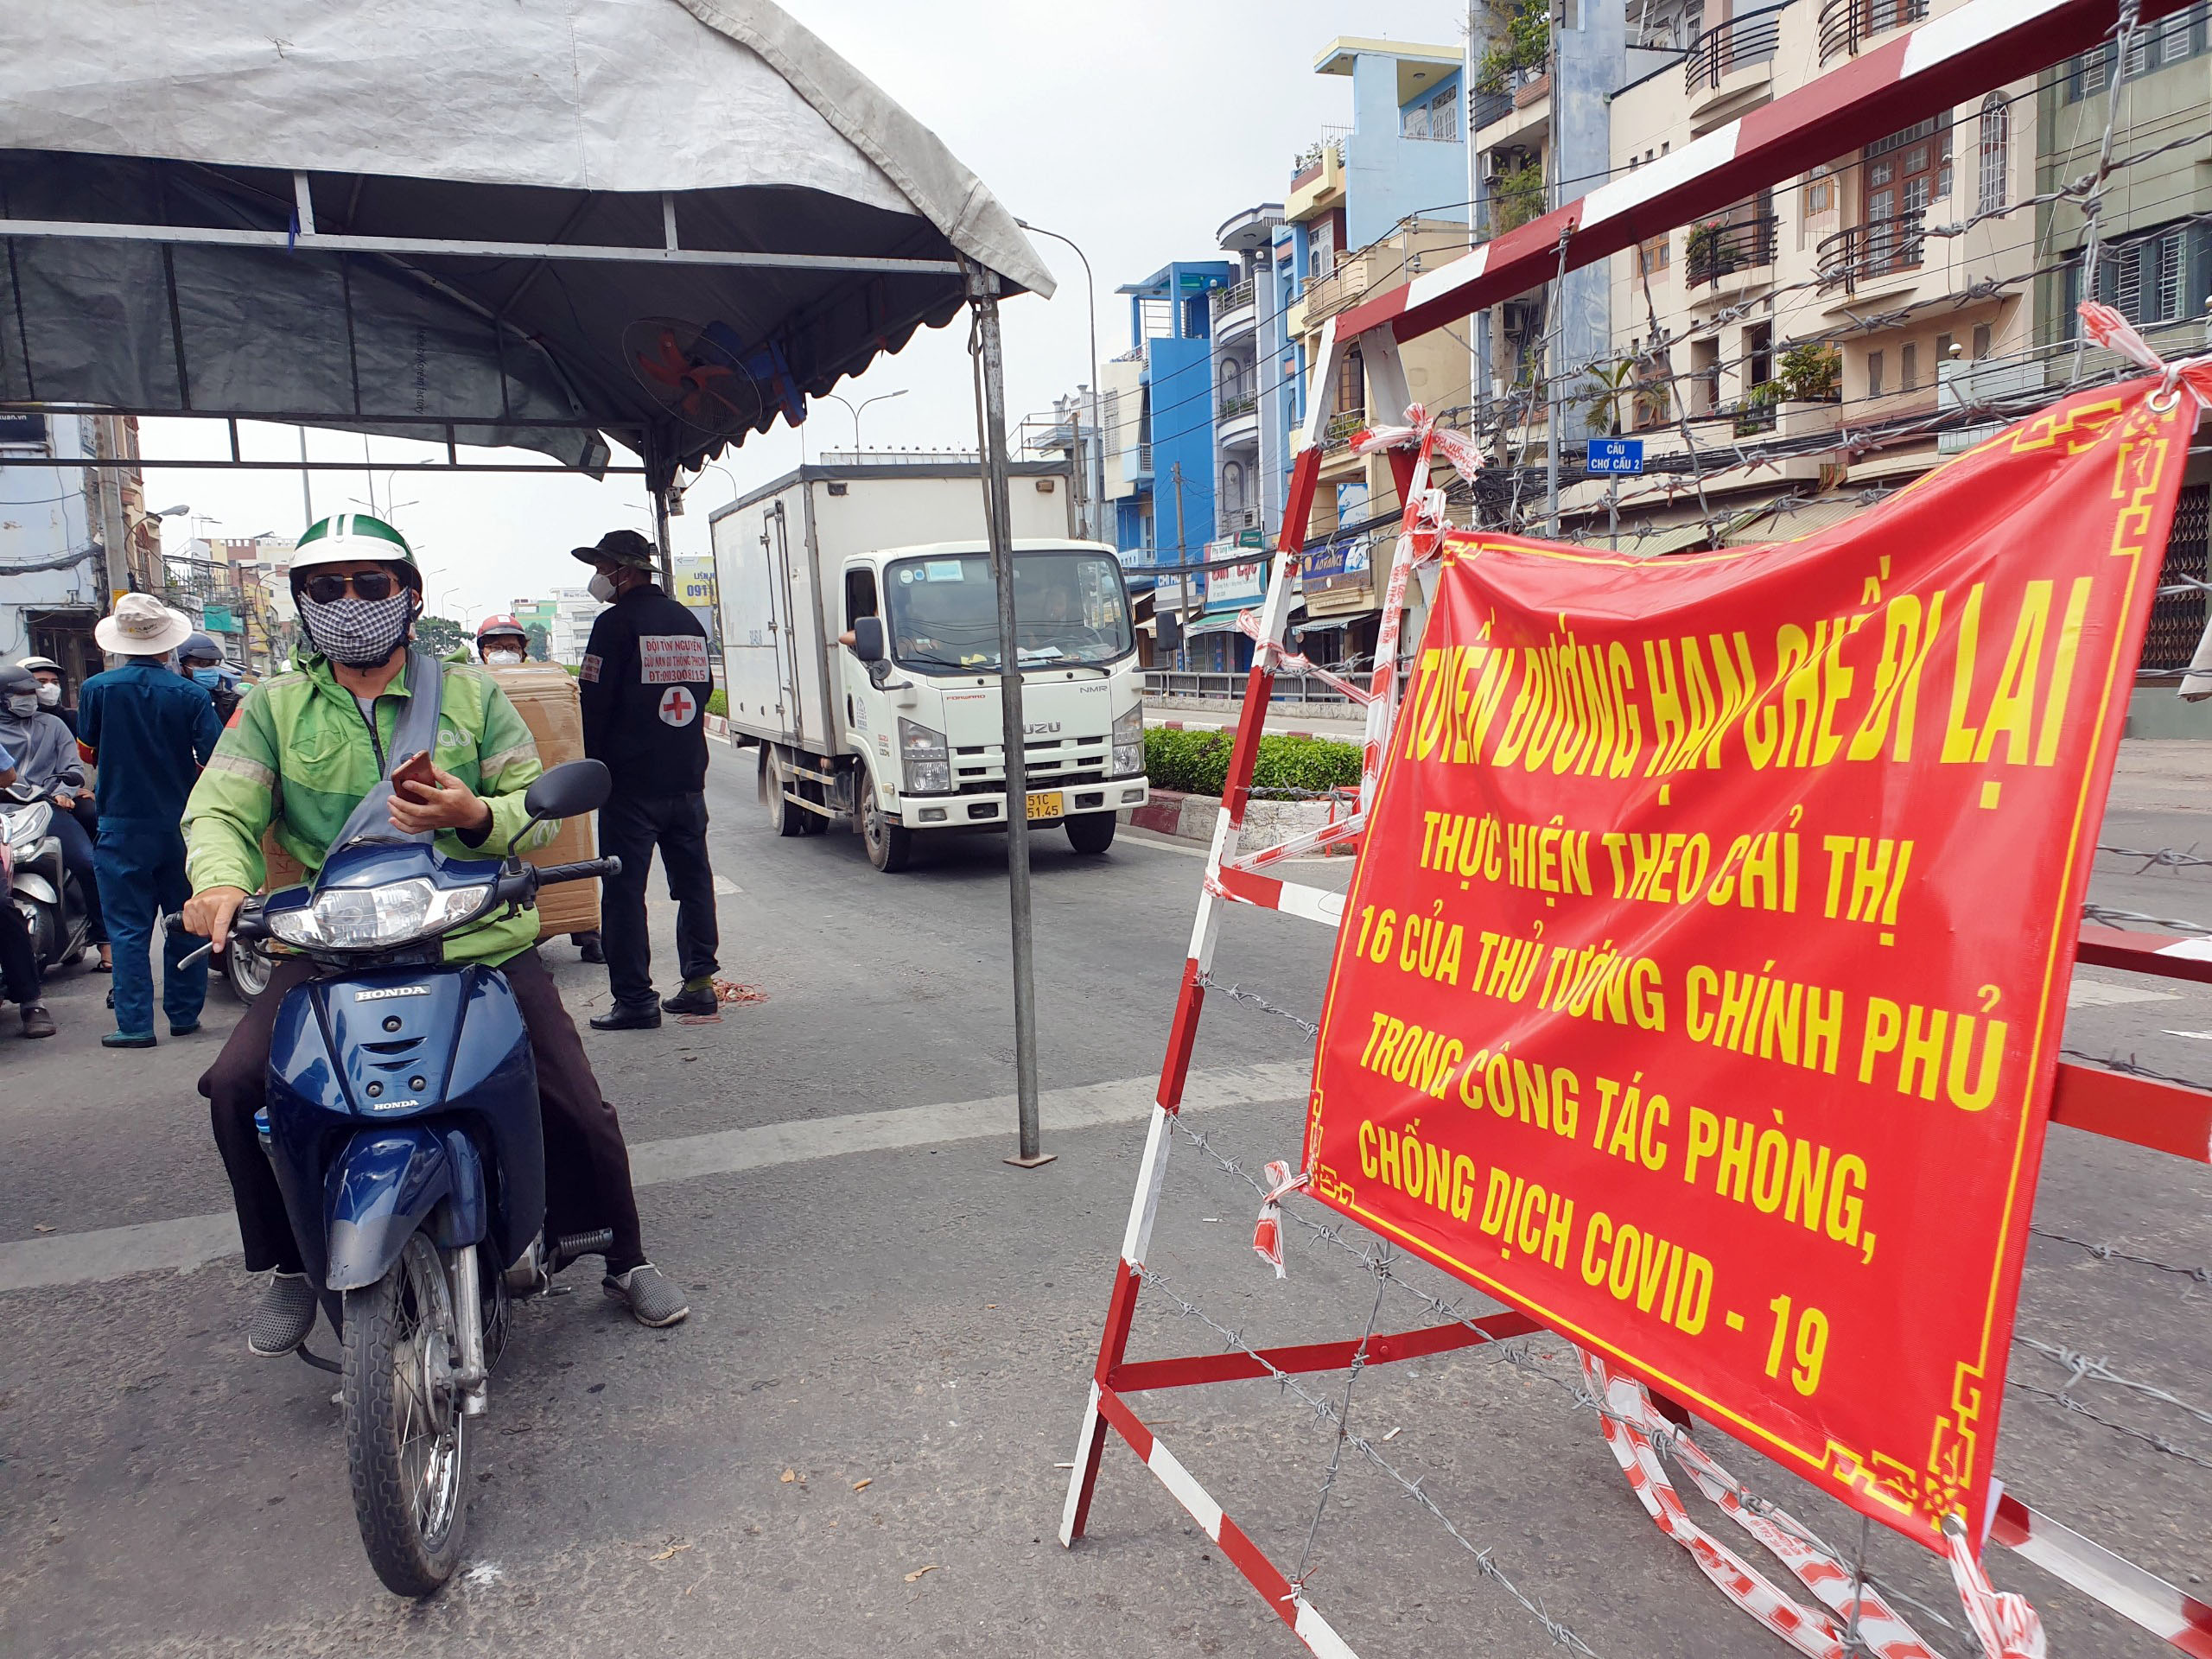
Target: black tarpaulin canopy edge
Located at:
point(668, 222)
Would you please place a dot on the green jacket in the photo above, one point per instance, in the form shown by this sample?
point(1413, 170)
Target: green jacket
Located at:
point(298, 752)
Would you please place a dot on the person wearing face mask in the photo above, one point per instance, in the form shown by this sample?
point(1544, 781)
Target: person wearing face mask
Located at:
point(199, 659)
point(501, 642)
point(306, 747)
point(645, 684)
point(47, 673)
point(18, 957)
point(149, 732)
point(47, 757)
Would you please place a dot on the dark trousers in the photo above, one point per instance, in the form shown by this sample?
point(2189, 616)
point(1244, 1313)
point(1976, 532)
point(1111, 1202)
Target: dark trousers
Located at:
point(587, 1165)
point(629, 828)
point(18, 957)
point(77, 860)
point(141, 865)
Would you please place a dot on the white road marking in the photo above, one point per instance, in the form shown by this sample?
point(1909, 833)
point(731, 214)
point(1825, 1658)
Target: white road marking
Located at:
point(2095, 994)
point(724, 886)
point(190, 1242)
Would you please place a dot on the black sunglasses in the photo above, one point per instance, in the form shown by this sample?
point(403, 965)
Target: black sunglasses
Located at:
point(328, 588)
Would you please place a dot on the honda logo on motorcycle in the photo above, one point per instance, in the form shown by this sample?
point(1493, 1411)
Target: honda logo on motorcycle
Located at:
point(391, 991)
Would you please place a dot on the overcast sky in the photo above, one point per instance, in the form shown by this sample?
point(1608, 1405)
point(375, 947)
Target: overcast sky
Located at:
point(1135, 127)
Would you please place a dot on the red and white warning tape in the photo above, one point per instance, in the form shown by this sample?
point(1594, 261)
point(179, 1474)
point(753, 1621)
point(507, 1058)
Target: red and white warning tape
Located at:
point(2005, 1625)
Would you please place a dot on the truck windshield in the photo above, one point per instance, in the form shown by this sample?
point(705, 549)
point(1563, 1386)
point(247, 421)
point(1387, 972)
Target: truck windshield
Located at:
point(1071, 610)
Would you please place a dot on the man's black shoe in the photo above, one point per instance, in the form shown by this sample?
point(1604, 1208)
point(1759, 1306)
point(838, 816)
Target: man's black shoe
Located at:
point(589, 945)
point(642, 1017)
point(692, 999)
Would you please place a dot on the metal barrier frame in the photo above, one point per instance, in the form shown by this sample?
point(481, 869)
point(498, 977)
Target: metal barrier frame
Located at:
point(1960, 56)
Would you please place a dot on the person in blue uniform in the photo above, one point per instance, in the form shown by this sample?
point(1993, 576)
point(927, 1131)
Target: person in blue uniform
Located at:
point(149, 731)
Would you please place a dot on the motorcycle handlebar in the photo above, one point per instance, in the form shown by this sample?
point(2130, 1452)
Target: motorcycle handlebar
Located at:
point(582, 870)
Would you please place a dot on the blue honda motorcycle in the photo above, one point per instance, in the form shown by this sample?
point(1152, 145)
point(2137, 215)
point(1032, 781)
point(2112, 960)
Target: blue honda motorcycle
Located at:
point(402, 1125)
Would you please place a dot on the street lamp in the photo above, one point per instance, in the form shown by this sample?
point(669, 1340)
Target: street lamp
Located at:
point(881, 397)
point(1097, 432)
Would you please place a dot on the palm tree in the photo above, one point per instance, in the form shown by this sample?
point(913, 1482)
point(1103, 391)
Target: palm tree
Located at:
point(1611, 390)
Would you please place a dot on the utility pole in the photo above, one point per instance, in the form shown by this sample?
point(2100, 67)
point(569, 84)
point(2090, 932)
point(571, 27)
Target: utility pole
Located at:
point(1182, 576)
point(990, 410)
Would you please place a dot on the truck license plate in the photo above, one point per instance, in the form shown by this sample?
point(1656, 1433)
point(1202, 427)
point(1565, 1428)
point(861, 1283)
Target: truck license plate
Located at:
point(1047, 805)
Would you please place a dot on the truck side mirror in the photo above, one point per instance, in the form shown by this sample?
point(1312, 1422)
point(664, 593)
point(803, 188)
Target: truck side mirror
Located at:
point(868, 639)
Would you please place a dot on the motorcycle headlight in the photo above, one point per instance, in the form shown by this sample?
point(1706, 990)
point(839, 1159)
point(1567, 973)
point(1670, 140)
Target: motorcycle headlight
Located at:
point(927, 760)
point(360, 918)
point(1129, 743)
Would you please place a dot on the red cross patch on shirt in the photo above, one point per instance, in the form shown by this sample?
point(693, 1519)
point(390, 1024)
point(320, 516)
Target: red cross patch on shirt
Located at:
point(678, 706)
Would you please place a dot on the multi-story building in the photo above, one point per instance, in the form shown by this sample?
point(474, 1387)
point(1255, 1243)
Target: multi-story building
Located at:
point(574, 612)
point(2153, 265)
point(1251, 390)
point(1540, 78)
point(69, 534)
point(1838, 299)
point(1371, 206)
point(1157, 410)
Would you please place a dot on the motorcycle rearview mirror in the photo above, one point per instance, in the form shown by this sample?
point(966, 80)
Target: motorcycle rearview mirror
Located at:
point(868, 639)
point(569, 791)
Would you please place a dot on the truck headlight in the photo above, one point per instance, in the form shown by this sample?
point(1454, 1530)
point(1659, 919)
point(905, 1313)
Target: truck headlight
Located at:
point(367, 919)
point(927, 760)
point(1129, 743)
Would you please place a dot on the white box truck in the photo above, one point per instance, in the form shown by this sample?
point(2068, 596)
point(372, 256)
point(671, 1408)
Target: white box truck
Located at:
point(861, 648)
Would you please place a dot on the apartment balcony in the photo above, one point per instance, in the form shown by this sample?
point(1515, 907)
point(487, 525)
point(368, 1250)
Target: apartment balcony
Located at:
point(1136, 463)
point(1722, 249)
point(1847, 26)
point(1881, 253)
point(1324, 296)
point(1236, 423)
point(1317, 175)
point(1525, 122)
point(1233, 313)
point(1731, 65)
point(1998, 384)
point(1233, 520)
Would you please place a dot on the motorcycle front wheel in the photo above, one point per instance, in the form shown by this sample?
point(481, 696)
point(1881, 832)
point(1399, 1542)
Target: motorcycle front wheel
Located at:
point(407, 1441)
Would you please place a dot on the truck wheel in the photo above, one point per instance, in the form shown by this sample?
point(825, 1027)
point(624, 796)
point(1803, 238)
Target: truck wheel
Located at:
point(783, 818)
point(1091, 832)
point(889, 845)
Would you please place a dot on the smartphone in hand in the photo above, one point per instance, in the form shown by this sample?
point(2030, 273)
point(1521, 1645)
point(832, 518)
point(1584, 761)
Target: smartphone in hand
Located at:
point(414, 769)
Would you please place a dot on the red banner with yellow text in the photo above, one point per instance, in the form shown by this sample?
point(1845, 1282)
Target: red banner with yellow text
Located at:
point(1700, 984)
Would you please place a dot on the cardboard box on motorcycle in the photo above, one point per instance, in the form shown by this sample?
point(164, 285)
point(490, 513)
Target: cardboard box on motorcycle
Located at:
point(545, 695)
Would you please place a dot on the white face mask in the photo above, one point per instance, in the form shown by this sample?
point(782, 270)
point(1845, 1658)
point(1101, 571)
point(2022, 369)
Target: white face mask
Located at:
point(601, 587)
point(23, 707)
point(50, 697)
point(502, 658)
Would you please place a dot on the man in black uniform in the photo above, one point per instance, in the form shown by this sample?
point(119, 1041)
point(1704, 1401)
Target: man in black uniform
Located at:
point(645, 684)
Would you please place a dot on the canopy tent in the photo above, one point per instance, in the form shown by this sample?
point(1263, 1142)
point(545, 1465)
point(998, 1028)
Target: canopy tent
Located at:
point(526, 222)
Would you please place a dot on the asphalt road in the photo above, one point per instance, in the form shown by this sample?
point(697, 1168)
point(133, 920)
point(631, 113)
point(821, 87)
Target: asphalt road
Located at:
point(851, 1445)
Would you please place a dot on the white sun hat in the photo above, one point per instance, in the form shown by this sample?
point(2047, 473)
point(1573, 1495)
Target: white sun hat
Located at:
point(142, 627)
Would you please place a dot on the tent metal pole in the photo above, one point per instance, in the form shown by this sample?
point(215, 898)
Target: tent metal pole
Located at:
point(998, 515)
